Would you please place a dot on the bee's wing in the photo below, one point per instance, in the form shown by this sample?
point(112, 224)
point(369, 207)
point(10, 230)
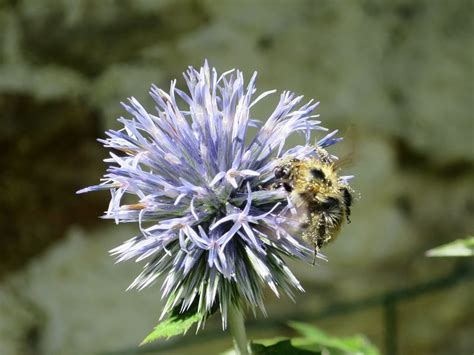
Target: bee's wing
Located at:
point(349, 149)
point(344, 162)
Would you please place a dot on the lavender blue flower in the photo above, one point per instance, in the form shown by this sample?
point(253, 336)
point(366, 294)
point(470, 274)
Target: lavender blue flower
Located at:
point(206, 222)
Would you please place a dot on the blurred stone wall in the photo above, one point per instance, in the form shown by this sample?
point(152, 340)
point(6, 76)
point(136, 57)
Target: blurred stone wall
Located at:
point(396, 77)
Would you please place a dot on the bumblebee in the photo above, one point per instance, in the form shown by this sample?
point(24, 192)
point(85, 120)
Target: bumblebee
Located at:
point(322, 199)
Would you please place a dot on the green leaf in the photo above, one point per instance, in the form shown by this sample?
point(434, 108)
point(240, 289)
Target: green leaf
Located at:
point(282, 347)
point(179, 322)
point(313, 336)
point(312, 341)
point(460, 247)
point(174, 325)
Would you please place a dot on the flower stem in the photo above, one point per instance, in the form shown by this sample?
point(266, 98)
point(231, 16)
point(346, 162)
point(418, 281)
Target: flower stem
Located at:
point(237, 329)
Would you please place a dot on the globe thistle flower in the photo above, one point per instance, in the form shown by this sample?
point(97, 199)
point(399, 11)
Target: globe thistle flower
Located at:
point(196, 183)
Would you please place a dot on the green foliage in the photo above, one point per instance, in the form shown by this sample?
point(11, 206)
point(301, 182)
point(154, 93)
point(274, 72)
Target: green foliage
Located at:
point(314, 338)
point(176, 324)
point(282, 347)
point(312, 341)
point(460, 247)
point(179, 322)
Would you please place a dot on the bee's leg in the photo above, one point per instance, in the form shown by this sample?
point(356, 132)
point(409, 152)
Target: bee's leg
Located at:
point(323, 155)
point(348, 214)
point(315, 253)
point(322, 236)
point(348, 203)
point(275, 185)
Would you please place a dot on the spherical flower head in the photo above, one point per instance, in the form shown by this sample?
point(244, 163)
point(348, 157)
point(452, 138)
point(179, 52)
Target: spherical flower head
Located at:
point(207, 220)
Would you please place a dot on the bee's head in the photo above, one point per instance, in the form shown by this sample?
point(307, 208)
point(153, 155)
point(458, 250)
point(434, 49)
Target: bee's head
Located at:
point(281, 172)
point(284, 171)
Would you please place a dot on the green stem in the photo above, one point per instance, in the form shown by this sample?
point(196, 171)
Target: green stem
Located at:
point(237, 329)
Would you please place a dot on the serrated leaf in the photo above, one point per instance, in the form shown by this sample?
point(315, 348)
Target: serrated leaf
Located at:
point(350, 345)
point(172, 326)
point(460, 247)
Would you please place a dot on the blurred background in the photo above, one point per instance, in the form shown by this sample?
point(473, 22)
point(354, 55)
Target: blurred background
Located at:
point(395, 77)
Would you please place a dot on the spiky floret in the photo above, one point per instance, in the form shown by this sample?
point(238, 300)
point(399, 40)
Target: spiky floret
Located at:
point(205, 223)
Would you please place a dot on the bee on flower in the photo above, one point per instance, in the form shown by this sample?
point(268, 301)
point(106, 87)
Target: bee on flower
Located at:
point(218, 210)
